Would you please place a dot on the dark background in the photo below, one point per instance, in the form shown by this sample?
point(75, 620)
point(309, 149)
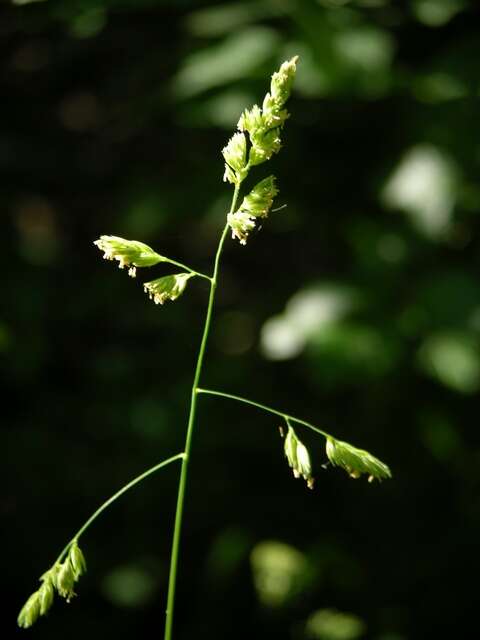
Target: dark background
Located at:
point(357, 308)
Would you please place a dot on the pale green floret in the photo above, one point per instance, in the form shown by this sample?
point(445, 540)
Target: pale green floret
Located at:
point(235, 154)
point(298, 457)
point(251, 120)
point(167, 288)
point(47, 593)
point(241, 223)
point(272, 114)
point(77, 560)
point(264, 146)
point(65, 580)
point(256, 204)
point(356, 461)
point(230, 175)
point(282, 81)
point(304, 466)
point(30, 611)
point(260, 199)
point(129, 253)
point(290, 448)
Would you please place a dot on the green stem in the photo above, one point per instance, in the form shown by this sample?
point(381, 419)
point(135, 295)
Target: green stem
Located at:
point(184, 266)
point(287, 417)
point(172, 580)
point(115, 496)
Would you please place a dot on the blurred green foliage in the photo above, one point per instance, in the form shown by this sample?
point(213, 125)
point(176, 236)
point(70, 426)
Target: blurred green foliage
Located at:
point(357, 307)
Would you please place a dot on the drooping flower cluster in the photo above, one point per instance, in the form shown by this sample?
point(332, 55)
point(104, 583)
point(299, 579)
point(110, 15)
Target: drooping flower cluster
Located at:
point(256, 204)
point(60, 578)
point(167, 288)
point(298, 457)
point(356, 461)
point(133, 254)
point(129, 253)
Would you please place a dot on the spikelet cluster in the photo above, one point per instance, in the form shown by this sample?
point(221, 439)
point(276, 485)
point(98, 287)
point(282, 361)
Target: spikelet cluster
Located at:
point(60, 578)
point(167, 288)
point(356, 461)
point(256, 204)
point(298, 457)
point(264, 125)
point(129, 253)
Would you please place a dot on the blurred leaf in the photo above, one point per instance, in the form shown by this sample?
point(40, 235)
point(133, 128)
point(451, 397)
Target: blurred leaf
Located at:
point(439, 87)
point(329, 624)
point(231, 60)
point(89, 23)
point(306, 313)
point(129, 586)
point(280, 572)
point(224, 109)
point(424, 185)
point(435, 13)
point(225, 18)
point(449, 298)
point(227, 552)
point(346, 351)
point(440, 436)
point(453, 359)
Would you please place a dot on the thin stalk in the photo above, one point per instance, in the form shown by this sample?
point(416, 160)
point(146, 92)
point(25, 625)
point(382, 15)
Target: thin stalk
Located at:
point(184, 266)
point(287, 417)
point(172, 580)
point(115, 496)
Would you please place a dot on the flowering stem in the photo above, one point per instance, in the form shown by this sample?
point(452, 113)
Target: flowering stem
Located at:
point(288, 418)
point(117, 495)
point(172, 580)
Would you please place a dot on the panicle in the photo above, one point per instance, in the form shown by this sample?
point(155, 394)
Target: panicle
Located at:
point(260, 199)
point(77, 560)
point(356, 461)
point(65, 579)
point(167, 288)
point(129, 253)
point(60, 578)
point(256, 204)
point(241, 223)
point(30, 611)
point(298, 457)
point(263, 126)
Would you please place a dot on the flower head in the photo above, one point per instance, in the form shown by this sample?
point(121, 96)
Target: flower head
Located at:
point(356, 461)
point(256, 204)
point(235, 154)
point(298, 457)
point(282, 81)
point(241, 223)
point(30, 611)
point(167, 288)
point(61, 578)
point(260, 199)
point(263, 125)
point(129, 253)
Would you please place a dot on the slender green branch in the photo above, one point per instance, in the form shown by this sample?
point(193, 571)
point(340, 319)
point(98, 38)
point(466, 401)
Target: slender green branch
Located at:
point(117, 495)
point(172, 580)
point(184, 266)
point(287, 417)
